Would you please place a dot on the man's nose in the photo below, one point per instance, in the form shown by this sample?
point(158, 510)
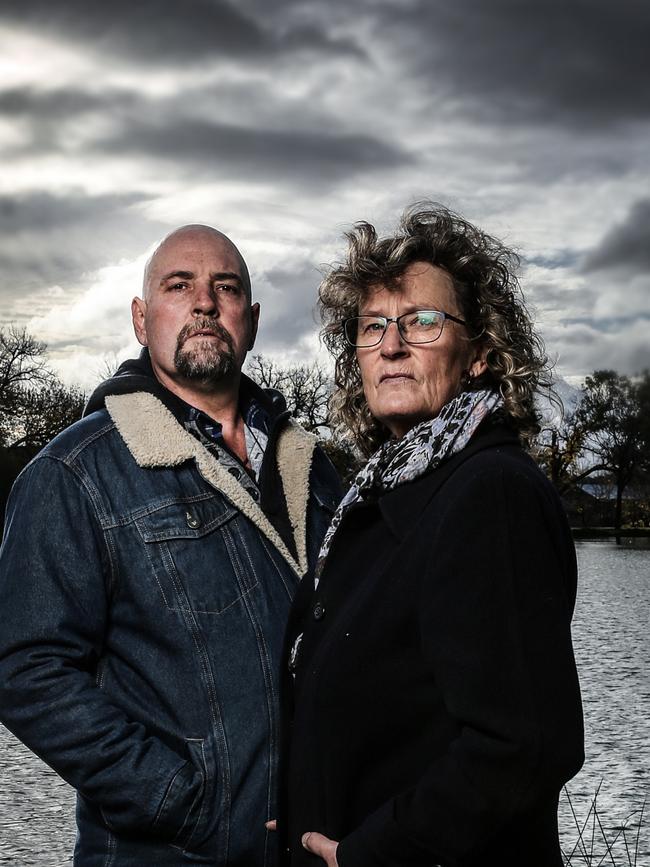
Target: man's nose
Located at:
point(205, 300)
point(393, 344)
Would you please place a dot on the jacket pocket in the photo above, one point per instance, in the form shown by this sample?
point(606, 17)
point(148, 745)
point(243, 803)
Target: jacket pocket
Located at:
point(207, 814)
point(188, 545)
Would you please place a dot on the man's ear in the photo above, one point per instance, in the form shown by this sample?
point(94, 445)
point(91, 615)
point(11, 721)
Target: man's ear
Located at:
point(138, 310)
point(255, 319)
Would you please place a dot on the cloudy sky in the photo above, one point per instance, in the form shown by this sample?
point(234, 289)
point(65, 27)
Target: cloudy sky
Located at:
point(282, 123)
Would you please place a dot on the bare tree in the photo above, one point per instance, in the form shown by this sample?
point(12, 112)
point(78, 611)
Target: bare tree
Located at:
point(306, 388)
point(107, 367)
point(46, 411)
point(22, 366)
point(34, 404)
point(560, 451)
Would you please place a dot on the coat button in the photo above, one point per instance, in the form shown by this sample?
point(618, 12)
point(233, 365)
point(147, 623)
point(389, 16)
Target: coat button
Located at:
point(193, 522)
point(319, 611)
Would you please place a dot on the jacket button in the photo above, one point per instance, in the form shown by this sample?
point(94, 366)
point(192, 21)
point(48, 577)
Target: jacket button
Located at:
point(319, 611)
point(192, 521)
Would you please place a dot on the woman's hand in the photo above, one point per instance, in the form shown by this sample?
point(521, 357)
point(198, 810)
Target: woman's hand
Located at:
point(272, 825)
point(322, 846)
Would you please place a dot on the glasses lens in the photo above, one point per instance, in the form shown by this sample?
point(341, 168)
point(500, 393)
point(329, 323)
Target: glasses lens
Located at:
point(365, 330)
point(421, 326)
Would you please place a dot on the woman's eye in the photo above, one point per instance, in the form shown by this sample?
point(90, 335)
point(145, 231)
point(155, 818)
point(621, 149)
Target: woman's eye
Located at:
point(425, 320)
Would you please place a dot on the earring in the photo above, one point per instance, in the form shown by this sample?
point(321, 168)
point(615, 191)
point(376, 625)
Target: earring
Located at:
point(466, 380)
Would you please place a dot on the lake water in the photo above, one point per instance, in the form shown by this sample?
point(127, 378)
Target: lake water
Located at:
point(613, 653)
point(612, 649)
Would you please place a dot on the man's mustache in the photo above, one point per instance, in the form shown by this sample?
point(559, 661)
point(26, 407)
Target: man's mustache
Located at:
point(205, 323)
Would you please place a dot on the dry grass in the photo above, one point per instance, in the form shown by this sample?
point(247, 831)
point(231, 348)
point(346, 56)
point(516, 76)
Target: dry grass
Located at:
point(596, 846)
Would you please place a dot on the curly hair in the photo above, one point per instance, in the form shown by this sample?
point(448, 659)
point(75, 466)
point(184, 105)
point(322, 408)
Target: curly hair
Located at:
point(483, 275)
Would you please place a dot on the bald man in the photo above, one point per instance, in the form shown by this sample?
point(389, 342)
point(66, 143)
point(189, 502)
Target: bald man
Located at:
point(150, 555)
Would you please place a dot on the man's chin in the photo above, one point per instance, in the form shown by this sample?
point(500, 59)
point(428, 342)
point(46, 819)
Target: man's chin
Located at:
point(194, 368)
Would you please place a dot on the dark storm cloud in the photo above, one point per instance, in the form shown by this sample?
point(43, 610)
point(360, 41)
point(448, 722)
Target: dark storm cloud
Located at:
point(42, 210)
point(44, 115)
point(560, 258)
point(290, 314)
point(578, 63)
point(63, 103)
point(317, 153)
point(294, 155)
point(625, 246)
point(583, 349)
point(47, 239)
point(166, 31)
point(555, 297)
point(608, 325)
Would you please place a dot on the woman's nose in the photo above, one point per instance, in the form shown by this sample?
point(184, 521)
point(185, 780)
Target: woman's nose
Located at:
point(393, 343)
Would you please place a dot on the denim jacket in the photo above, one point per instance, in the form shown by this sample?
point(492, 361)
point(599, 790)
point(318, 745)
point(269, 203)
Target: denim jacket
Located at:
point(144, 595)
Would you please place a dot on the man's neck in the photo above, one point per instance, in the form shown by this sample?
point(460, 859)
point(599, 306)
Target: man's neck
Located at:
point(220, 401)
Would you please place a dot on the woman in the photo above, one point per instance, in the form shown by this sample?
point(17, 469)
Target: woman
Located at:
point(435, 704)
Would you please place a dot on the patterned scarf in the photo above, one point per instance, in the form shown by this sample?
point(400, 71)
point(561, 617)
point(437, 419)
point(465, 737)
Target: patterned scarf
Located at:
point(398, 461)
point(419, 451)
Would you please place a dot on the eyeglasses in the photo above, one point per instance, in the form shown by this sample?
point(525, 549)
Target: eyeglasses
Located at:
point(420, 326)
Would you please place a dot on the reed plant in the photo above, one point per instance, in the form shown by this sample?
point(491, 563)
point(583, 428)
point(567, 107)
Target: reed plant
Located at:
point(598, 846)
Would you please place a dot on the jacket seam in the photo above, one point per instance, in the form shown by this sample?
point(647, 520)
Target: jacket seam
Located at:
point(265, 662)
point(145, 511)
point(74, 453)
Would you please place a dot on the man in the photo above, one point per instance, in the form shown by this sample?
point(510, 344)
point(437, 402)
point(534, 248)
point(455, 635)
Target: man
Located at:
point(150, 555)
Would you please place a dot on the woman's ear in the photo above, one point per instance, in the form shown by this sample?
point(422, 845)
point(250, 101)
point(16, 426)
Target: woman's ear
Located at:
point(479, 363)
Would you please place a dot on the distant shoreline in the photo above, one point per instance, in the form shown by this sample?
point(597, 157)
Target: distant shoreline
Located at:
point(609, 532)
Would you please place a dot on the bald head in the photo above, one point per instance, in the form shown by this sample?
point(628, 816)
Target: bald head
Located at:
point(193, 240)
point(196, 316)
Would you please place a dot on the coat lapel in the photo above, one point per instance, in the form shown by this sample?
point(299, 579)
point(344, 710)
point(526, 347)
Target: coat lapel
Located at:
point(402, 506)
point(156, 439)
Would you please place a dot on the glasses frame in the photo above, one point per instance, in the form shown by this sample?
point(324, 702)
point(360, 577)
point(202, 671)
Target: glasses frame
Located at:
point(397, 320)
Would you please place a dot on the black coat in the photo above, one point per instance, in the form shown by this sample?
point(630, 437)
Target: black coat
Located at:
point(436, 712)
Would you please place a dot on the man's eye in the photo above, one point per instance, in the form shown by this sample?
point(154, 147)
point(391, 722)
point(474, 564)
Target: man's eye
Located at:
point(226, 287)
point(178, 287)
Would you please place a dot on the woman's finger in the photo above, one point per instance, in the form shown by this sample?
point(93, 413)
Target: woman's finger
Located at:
point(322, 846)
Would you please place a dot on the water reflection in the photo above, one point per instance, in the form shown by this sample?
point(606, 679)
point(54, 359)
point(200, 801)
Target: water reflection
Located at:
point(613, 653)
point(36, 809)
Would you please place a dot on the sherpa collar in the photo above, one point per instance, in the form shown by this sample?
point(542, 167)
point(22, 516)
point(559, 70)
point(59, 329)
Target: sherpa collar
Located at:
point(156, 439)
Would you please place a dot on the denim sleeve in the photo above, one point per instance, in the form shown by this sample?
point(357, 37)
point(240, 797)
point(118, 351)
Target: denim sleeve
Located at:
point(54, 574)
